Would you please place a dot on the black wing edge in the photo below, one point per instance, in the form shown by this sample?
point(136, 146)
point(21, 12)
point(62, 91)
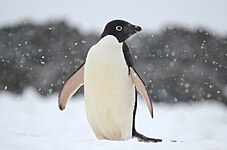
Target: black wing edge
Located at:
point(139, 136)
point(128, 57)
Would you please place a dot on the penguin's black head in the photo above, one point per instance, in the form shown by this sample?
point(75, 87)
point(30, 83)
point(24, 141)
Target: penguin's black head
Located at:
point(121, 29)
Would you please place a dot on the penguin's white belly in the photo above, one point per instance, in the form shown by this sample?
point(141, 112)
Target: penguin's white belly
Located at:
point(109, 94)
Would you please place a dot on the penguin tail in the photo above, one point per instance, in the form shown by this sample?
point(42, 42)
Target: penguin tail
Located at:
point(142, 138)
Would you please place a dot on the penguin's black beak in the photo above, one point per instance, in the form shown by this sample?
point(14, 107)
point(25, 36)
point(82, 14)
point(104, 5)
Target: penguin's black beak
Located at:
point(137, 28)
point(132, 29)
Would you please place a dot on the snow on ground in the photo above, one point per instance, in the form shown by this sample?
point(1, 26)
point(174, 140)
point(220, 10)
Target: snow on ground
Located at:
point(34, 122)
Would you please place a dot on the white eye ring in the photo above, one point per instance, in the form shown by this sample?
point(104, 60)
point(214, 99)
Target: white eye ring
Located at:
point(118, 28)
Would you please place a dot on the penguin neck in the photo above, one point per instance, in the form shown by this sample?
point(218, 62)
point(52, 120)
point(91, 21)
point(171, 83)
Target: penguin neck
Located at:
point(110, 41)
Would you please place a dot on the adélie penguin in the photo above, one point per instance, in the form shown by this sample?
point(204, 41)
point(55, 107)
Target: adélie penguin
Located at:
point(110, 85)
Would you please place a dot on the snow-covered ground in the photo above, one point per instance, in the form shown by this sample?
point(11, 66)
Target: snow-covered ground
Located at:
point(33, 122)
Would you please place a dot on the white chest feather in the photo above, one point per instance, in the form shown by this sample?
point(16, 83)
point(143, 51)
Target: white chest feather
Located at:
point(109, 91)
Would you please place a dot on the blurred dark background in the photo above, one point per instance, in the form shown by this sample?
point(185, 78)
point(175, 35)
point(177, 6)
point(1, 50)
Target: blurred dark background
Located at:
point(176, 63)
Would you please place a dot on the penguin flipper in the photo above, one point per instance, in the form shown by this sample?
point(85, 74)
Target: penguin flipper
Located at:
point(141, 87)
point(73, 83)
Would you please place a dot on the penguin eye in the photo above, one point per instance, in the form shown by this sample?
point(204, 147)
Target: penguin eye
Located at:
point(118, 28)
